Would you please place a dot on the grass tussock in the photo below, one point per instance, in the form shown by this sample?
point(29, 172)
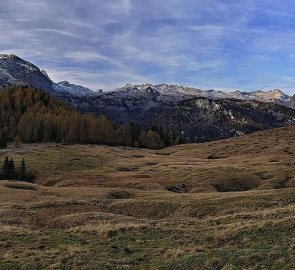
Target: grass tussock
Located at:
point(15, 185)
point(237, 183)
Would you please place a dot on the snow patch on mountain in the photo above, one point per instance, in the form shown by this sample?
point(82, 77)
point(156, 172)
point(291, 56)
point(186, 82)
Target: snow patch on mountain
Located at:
point(74, 89)
point(16, 71)
point(178, 93)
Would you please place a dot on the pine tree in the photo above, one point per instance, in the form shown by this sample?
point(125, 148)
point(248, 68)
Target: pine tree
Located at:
point(153, 140)
point(3, 140)
point(106, 130)
point(124, 135)
point(135, 133)
point(11, 172)
point(22, 171)
point(12, 127)
point(5, 168)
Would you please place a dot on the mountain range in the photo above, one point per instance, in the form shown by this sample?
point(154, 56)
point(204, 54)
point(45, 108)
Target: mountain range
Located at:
point(16, 71)
point(198, 114)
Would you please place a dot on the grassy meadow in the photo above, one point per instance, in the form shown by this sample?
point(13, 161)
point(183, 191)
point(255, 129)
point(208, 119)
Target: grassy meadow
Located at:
point(220, 205)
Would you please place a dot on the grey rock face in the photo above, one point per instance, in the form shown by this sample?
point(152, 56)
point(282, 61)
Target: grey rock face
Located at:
point(199, 118)
point(291, 103)
point(67, 87)
point(16, 71)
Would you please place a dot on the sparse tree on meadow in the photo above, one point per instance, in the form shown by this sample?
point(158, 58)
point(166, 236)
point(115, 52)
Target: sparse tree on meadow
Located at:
point(22, 171)
point(5, 168)
point(8, 168)
point(11, 172)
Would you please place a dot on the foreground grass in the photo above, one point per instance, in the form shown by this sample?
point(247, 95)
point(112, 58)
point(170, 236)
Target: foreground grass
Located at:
point(42, 230)
point(97, 207)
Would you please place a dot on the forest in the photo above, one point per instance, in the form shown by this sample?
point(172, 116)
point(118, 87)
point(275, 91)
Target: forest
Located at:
point(35, 116)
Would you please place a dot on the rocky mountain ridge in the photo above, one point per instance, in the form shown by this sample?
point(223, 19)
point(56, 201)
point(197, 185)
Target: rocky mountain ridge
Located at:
point(201, 115)
point(16, 71)
point(177, 93)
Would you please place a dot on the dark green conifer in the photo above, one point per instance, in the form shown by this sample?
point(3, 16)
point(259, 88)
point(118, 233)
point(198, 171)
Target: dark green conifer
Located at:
point(11, 172)
point(5, 168)
point(22, 171)
point(3, 140)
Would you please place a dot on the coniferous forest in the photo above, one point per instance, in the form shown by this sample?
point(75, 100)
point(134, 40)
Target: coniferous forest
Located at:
point(36, 116)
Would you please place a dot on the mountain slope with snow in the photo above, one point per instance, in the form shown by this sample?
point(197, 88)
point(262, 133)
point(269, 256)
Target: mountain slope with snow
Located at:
point(73, 89)
point(16, 71)
point(177, 93)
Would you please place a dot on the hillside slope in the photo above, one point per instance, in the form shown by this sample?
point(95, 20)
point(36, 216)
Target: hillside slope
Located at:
point(36, 116)
point(201, 119)
point(265, 158)
point(99, 207)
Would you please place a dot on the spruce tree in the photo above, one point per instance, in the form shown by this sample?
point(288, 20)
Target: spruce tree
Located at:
point(5, 168)
point(11, 173)
point(22, 172)
point(135, 132)
point(3, 140)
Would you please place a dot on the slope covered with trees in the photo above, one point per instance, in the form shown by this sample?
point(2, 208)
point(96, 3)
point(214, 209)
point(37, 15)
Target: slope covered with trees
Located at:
point(36, 116)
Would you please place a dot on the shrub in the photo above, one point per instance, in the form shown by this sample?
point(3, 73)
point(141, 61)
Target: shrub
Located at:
point(237, 183)
point(180, 188)
point(282, 183)
point(119, 194)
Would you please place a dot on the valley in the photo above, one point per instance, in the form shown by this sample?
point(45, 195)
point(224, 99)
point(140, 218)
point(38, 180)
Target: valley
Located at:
point(219, 205)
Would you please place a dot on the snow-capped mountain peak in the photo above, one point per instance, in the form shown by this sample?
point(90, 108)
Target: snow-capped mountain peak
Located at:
point(16, 71)
point(181, 92)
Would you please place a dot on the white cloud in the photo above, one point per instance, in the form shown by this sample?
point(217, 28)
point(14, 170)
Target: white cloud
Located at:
point(90, 56)
point(98, 43)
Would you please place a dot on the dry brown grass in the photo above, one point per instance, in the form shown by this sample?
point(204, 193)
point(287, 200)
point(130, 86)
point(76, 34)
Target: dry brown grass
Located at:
point(99, 207)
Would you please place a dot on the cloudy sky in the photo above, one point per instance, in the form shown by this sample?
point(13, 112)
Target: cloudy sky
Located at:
point(221, 44)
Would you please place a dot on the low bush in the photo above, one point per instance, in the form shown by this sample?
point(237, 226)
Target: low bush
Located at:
point(180, 188)
point(119, 194)
point(237, 183)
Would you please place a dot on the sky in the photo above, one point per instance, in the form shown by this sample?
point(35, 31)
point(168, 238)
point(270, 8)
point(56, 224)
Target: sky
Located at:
point(104, 44)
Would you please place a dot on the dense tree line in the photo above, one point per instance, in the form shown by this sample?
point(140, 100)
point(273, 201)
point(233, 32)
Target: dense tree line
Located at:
point(36, 116)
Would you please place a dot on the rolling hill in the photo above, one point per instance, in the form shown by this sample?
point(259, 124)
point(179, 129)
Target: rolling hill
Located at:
point(217, 205)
